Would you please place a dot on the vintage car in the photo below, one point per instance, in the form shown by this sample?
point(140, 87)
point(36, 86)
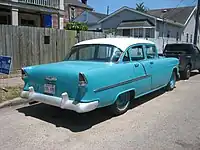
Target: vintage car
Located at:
point(101, 72)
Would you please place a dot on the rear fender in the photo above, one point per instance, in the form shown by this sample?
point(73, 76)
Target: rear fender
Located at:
point(176, 69)
point(129, 90)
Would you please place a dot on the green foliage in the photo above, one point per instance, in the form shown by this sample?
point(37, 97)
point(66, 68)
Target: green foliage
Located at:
point(140, 7)
point(78, 26)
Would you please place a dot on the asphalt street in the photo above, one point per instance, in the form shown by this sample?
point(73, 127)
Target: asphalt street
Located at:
point(158, 121)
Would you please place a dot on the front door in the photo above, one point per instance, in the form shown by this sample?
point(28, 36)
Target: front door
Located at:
point(155, 67)
point(143, 80)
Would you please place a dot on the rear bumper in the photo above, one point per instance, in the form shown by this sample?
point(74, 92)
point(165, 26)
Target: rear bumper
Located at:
point(64, 102)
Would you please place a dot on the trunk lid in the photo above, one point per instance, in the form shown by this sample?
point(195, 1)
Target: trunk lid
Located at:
point(61, 76)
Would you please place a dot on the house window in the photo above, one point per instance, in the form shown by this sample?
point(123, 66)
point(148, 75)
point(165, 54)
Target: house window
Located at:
point(3, 19)
point(126, 32)
point(168, 34)
point(140, 32)
point(25, 22)
point(191, 38)
point(136, 32)
point(149, 33)
point(187, 38)
point(73, 13)
point(177, 36)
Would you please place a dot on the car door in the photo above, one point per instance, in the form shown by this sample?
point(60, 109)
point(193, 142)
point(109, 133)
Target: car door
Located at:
point(155, 67)
point(142, 79)
point(197, 57)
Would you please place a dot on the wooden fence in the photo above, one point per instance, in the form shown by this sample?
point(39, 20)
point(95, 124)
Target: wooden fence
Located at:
point(32, 46)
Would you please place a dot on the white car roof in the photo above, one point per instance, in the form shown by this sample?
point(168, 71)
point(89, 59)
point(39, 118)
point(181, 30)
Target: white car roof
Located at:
point(121, 43)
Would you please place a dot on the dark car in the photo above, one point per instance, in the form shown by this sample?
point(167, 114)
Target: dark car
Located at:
point(188, 55)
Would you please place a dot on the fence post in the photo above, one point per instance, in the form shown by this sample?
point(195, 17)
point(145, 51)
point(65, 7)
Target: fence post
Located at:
point(78, 36)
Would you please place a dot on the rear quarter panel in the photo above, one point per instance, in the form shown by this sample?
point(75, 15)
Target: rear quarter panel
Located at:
point(169, 64)
point(106, 77)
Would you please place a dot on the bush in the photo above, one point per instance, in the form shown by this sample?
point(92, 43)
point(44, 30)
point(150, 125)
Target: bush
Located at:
point(78, 26)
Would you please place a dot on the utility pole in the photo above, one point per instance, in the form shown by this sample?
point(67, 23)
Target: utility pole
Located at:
point(197, 23)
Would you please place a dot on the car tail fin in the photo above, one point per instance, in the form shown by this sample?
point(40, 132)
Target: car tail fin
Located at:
point(82, 80)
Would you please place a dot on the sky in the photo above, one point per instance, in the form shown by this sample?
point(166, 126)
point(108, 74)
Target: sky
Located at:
point(101, 5)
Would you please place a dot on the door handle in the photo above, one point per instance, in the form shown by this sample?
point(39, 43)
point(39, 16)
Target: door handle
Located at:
point(151, 63)
point(136, 65)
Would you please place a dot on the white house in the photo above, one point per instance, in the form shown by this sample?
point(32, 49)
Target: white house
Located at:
point(160, 25)
point(35, 13)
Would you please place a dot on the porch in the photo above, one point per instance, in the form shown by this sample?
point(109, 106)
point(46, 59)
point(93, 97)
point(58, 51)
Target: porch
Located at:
point(137, 28)
point(35, 13)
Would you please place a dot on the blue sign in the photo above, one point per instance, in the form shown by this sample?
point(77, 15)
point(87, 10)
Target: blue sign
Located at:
point(5, 64)
point(47, 21)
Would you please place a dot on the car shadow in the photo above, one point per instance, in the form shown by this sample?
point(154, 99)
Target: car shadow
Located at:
point(78, 122)
point(192, 74)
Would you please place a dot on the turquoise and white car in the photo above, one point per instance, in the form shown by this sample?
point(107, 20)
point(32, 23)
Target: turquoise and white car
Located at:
point(101, 72)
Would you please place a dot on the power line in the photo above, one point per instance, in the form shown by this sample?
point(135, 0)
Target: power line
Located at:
point(175, 8)
point(194, 1)
point(172, 15)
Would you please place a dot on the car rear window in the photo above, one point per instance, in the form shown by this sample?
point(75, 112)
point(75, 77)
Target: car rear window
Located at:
point(184, 48)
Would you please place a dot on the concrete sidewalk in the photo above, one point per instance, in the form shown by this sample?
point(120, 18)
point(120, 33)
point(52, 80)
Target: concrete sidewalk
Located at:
point(11, 82)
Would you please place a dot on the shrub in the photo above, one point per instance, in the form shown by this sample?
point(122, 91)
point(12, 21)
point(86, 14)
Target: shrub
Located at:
point(78, 26)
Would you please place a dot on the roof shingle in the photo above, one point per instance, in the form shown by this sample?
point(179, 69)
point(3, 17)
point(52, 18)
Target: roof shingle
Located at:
point(179, 14)
point(77, 3)
point(98, 15)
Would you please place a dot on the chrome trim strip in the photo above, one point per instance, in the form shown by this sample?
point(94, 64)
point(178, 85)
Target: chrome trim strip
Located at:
point(51, 78)
point(121, 83)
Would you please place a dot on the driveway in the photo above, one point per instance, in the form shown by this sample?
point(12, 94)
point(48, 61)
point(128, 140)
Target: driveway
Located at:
point(162, 120)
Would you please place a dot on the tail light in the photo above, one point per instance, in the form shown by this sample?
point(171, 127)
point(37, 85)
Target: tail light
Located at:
point(82, 80)
point(23, 73)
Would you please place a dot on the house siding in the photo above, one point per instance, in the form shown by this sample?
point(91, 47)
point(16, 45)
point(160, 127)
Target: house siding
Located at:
point(189, 29)
point(94, 27)
point(115, 20)
point(89, 18)
point(168, 29)
point(78, 11)
point(86, 16)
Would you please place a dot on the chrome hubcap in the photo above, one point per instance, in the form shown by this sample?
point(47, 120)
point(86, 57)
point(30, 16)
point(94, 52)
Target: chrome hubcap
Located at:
point(123, 101)
point(172, 81)
point(188, 73)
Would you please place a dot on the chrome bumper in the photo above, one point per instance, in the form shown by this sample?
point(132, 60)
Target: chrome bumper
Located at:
point(64, 102)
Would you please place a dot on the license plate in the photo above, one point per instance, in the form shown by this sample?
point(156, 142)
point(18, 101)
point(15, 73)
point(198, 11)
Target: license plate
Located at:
point(49, 88)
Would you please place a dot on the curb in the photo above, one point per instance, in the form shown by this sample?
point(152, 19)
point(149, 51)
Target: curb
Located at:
point(14, 102)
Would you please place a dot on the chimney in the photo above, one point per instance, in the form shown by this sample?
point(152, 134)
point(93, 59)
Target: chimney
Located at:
point(84, 2)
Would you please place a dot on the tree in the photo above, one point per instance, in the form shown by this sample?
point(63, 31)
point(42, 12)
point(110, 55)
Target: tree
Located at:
point(141, 7)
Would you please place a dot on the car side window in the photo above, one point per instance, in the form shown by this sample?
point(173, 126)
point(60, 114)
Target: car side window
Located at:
point(136, 53)
point(151, 51)
point(126, 57)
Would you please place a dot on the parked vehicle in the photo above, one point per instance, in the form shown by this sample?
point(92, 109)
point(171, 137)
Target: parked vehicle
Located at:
point(188, 55)
point(101, 72)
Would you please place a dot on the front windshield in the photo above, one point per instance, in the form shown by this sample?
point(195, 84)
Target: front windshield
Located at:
point(94, 52)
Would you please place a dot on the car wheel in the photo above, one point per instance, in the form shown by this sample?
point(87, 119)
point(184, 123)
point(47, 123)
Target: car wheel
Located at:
point(172, 83)
point(121, 105)
point(186, 73)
